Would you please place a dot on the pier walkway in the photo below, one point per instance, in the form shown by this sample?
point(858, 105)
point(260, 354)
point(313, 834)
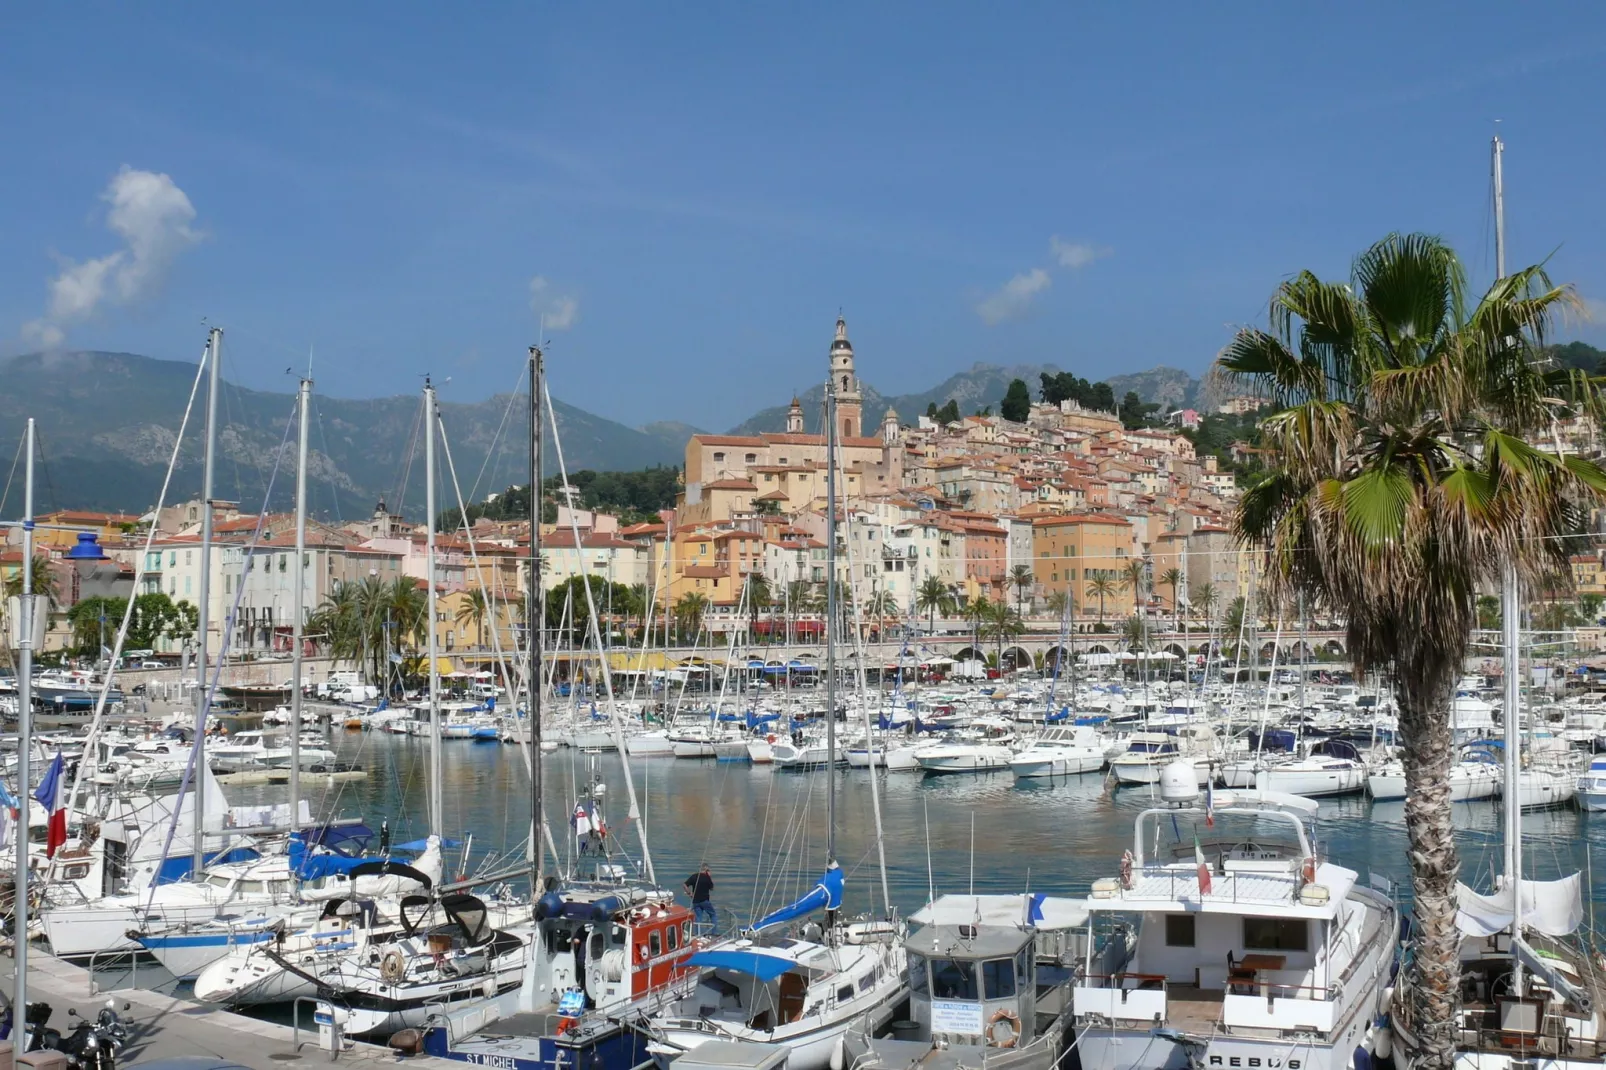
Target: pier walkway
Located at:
point(162, 1026)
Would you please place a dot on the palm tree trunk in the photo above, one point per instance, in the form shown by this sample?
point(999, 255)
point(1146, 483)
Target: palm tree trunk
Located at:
point(1424, 703)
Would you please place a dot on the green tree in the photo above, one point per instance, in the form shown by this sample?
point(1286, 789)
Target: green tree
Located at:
point(476, 607)
point(948, 413)
point(1172, 578)
point(1021, 577)
point(933, 597)
point(1204, 599)
point(44, 581)
point(759, 599)
point(1017, 403)
point(1488, 612)
point(571, 594)
point(1589, 607)
point(1401, 479)
point(1136, 576)
point(1134, 411)
point(94, 624)
point(689, 611)
point(1102, 588)
point(1001, 623)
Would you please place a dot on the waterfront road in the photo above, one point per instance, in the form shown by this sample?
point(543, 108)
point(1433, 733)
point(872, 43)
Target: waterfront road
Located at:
point(161, 1026)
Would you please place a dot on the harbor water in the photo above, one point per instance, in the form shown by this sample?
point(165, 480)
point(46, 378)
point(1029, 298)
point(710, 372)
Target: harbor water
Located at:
point(762, 830)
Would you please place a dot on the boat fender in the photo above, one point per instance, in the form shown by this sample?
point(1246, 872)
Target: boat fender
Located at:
point(1383, 1042)
point(1003, 1028)
point(1126, 869)
point(770, 738)
point(393, 965)
point(1307, 870)
point(838, 1059)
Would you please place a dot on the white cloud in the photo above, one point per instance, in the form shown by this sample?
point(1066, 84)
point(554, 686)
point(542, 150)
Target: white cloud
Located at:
point(153, 217)
point(1011, 300)
point(1076, 255)
point(558, 312)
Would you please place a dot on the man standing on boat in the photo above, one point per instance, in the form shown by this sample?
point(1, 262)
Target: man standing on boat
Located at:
point(700, 886)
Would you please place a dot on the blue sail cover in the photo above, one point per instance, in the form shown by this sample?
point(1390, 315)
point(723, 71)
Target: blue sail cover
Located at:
point(826, 895)
point(763, 967)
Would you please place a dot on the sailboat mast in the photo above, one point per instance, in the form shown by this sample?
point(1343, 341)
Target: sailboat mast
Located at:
point(1510, 625)
point(534, 617)
point(435, 823)
point(299, 605)
point(830, 619)
point(204, 617)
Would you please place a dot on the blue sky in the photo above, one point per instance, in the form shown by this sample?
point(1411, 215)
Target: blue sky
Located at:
point(699, 188)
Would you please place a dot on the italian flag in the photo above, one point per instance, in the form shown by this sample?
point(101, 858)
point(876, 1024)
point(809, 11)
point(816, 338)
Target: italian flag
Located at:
point(52, 795)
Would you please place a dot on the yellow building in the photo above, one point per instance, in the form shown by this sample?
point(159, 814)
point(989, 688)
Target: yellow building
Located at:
point(1588, 576)
point(1069, 552)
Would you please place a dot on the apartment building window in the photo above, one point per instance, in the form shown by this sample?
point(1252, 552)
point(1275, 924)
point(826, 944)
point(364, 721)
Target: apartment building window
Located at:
point(718, 457)
point(189, 557)
point(751, 458)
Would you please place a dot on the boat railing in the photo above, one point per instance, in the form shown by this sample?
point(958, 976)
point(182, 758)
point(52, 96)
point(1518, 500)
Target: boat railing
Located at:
point(114, 959)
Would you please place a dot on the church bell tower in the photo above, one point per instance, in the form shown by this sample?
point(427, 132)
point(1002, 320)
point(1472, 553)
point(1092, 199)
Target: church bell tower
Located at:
point(849, 402)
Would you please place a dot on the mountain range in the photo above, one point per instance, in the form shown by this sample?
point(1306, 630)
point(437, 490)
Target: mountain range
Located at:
point(107, 423)
point(983, 386)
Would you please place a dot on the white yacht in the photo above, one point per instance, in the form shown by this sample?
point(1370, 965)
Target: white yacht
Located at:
point(1314, 769)
point(1249, 951)
point(1476, 776)
point(985, 746)
point(1147, 753)
point(1060, 752)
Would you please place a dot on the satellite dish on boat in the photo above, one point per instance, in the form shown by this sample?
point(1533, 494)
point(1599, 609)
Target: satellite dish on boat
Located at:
point(1179, 783)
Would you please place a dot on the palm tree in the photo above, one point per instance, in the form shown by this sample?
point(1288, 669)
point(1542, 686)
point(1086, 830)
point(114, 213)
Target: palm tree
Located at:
point(1102, 588)
point(757, 588)
point(475, 608)
point(1401, 479)
point(1135, 576)
point(44, 581)
point(1021, 578)
point(1232, 627)
point(882, 607)
point(1057, 601)
point(1172, 578)
point(1204, 598)
point(1000, 621)
point(933, 597)
point(1136, 633)
point(689, 611)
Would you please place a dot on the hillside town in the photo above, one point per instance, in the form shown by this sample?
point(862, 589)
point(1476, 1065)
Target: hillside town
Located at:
point(1070, 519)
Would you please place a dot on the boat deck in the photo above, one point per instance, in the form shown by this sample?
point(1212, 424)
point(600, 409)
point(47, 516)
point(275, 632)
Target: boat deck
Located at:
point(1194, 1010)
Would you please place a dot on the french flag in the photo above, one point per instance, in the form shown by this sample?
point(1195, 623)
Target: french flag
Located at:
point(52, 795)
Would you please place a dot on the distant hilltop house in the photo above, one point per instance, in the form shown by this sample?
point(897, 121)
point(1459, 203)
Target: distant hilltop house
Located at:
point(1240, 405)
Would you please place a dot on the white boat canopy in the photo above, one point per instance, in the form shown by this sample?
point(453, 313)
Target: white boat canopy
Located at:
point(1555, 908)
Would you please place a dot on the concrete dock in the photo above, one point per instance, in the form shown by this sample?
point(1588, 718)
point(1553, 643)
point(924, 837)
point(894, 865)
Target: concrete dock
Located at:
point(162, 1026)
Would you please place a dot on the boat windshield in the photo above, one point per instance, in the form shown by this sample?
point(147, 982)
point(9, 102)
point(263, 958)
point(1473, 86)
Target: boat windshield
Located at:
point(953, 979)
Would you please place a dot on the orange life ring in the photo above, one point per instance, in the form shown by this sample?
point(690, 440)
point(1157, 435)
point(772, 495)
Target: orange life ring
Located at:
point(641, 952)
point(1004, 1014)
point(770, 738)
point(1307, 870)
point(566, 1024)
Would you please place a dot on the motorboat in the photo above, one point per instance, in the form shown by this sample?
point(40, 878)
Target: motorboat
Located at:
point(985, 746)
point(1250, 949)
point(605, 954)
point(989, 983)
point(1147, 753)
point(1060, 752)
point(1592, 786)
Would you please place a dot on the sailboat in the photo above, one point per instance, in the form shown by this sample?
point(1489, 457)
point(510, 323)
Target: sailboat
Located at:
point(806, 986)
point(604, 946)
point(1530, 993)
